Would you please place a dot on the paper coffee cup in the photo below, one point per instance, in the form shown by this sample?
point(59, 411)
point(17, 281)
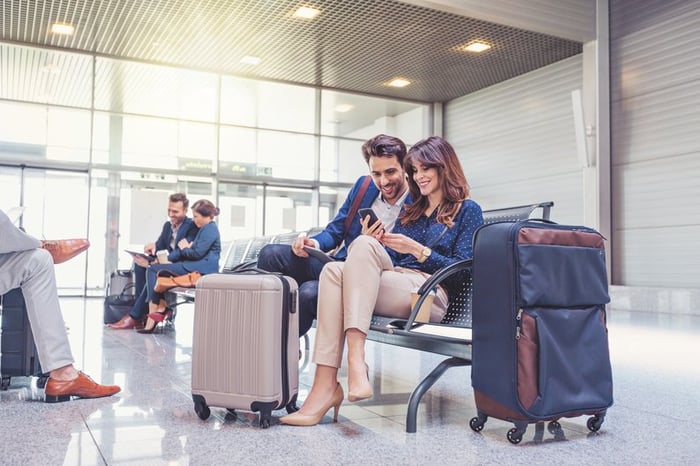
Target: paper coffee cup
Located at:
point(424, 311)
point(162, 256)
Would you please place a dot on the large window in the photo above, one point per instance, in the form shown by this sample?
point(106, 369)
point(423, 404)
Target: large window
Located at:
point(107, 137)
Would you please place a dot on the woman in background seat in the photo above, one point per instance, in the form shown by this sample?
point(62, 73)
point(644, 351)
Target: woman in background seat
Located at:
point(382, 269)
point(200, 255)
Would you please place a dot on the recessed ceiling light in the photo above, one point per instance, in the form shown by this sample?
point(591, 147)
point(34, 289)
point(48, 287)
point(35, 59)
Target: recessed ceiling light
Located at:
point(51, 68)
point(476, 46)
point(343, 108)
point(398, 82)
point(65, 29)
point(251, 60)
point(306, 12)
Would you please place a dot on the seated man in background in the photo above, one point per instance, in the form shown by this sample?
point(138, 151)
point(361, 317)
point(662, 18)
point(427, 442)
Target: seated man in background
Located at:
point(386, 195)
point(179, 227)
point(25, 264)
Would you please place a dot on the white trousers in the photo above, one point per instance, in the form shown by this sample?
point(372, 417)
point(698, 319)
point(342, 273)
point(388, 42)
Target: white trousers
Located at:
point(23, 264)
point(349, 292)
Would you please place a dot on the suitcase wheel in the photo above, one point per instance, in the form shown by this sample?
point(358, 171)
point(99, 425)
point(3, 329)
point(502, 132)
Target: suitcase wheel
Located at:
point(5, 383)
point(514, 436)
point(595, 422)
point(231, 415)
point(554, 427)
point(264, 422)
point(41, 381)
point(477, 422)
point(200, 407)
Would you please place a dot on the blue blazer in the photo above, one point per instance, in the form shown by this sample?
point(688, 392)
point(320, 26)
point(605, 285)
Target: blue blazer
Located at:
point(187, 230)
point(332, 236)
point(204, 254)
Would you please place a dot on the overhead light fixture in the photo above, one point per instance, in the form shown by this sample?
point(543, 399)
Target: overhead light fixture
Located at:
point(306, 12)
point(344, 108)
point(398, 82)
point(51, 68)
point(64, 29)
point(251, 60)
point(476, 46)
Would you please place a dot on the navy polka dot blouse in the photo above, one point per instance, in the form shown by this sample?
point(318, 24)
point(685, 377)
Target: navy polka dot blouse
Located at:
point(454, 245)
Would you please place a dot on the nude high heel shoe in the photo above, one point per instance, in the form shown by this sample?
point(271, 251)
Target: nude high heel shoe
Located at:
point(361, 395)
point(299, 419)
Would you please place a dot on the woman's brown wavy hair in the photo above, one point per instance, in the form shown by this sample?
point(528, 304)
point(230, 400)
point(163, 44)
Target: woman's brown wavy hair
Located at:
point(435, 152)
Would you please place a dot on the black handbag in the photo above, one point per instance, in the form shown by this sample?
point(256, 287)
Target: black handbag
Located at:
point(117, 306)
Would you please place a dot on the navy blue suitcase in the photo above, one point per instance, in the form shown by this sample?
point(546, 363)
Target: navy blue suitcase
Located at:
point(18, 355)
point(540, 342)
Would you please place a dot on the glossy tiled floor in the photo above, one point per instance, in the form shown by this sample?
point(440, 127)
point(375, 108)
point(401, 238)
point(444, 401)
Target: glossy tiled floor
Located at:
point(655, 419)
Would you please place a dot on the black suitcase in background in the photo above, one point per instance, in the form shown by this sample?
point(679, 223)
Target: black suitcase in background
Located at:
point(540, 343)
point(119, 282)
point(120, 295)
point(18, 356)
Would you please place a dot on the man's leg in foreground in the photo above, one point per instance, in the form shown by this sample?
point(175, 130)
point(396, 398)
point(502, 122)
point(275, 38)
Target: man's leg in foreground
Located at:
point(33, 272)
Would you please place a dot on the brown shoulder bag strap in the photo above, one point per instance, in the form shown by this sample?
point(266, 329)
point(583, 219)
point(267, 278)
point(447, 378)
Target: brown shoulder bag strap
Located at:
point(355, 204)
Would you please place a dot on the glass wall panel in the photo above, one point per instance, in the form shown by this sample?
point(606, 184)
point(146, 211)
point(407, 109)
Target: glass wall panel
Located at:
point(10, 190)
point(241, 211)
point(56, 207)
point(267, 105)
point(342, 160)
point(196, 151)
point(68, 135)
point(287, 210)
point(129, 87)
point(361, 117)
point(247, 153)
point(32, 133)
point(147, 142)
point(286, 155)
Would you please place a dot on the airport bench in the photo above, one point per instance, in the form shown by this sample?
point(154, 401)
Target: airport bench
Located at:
point(450, 337)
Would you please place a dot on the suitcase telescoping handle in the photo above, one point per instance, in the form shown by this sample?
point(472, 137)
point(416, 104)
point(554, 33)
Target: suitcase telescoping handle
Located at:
point(543, 220)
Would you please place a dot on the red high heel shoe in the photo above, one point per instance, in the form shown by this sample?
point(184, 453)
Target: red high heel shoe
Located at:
point(154, 318)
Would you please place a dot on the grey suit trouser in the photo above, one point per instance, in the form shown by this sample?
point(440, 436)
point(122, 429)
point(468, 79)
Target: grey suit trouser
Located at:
point(23, 264)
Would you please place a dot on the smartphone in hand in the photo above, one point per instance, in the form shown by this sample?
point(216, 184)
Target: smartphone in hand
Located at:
point(372, 215)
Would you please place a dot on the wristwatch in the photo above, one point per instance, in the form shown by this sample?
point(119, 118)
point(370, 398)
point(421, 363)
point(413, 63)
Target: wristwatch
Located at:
point(424, 254)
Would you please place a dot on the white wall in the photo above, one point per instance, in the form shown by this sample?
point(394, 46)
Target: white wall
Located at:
point(655, 119)
point(517, 143)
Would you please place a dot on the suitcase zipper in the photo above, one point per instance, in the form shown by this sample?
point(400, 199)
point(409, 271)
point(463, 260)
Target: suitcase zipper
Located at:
point(518, 320)
point(286, 305)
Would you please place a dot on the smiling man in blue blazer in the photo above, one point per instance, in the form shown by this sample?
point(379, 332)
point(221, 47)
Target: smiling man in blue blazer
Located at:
point(388, 192)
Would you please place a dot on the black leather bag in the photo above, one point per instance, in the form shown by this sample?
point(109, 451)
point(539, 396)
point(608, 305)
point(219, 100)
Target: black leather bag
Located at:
point(117, 305)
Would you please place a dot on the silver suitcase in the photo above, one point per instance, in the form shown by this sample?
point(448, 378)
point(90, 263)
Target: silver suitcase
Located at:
point(245, 348)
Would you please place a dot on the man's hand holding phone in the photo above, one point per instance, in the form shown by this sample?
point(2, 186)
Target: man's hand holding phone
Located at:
point(371, 225)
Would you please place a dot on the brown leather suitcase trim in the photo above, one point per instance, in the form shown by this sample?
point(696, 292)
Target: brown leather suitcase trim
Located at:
point(528, 370)
point(494, 409)
point(560, 237)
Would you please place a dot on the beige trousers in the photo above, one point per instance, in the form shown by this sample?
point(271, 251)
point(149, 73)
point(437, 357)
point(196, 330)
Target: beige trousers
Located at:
point(349, 292)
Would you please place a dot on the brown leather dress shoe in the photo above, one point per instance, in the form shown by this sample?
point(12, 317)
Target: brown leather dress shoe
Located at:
point(125, 323)
point(64, 249)
point(80, 387)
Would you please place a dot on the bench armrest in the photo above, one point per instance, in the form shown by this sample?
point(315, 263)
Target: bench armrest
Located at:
point(431, 283)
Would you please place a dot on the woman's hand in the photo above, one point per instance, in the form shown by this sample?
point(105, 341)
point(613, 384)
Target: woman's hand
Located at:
point(376, 230)
point(402, 244)
point(184, 244)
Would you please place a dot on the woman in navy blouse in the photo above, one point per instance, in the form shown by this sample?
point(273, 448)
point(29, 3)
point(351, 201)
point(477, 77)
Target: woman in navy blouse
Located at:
point(199, 255)
point(383, 268)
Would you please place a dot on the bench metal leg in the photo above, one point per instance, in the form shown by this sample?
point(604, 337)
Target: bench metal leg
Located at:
point(424, 386)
